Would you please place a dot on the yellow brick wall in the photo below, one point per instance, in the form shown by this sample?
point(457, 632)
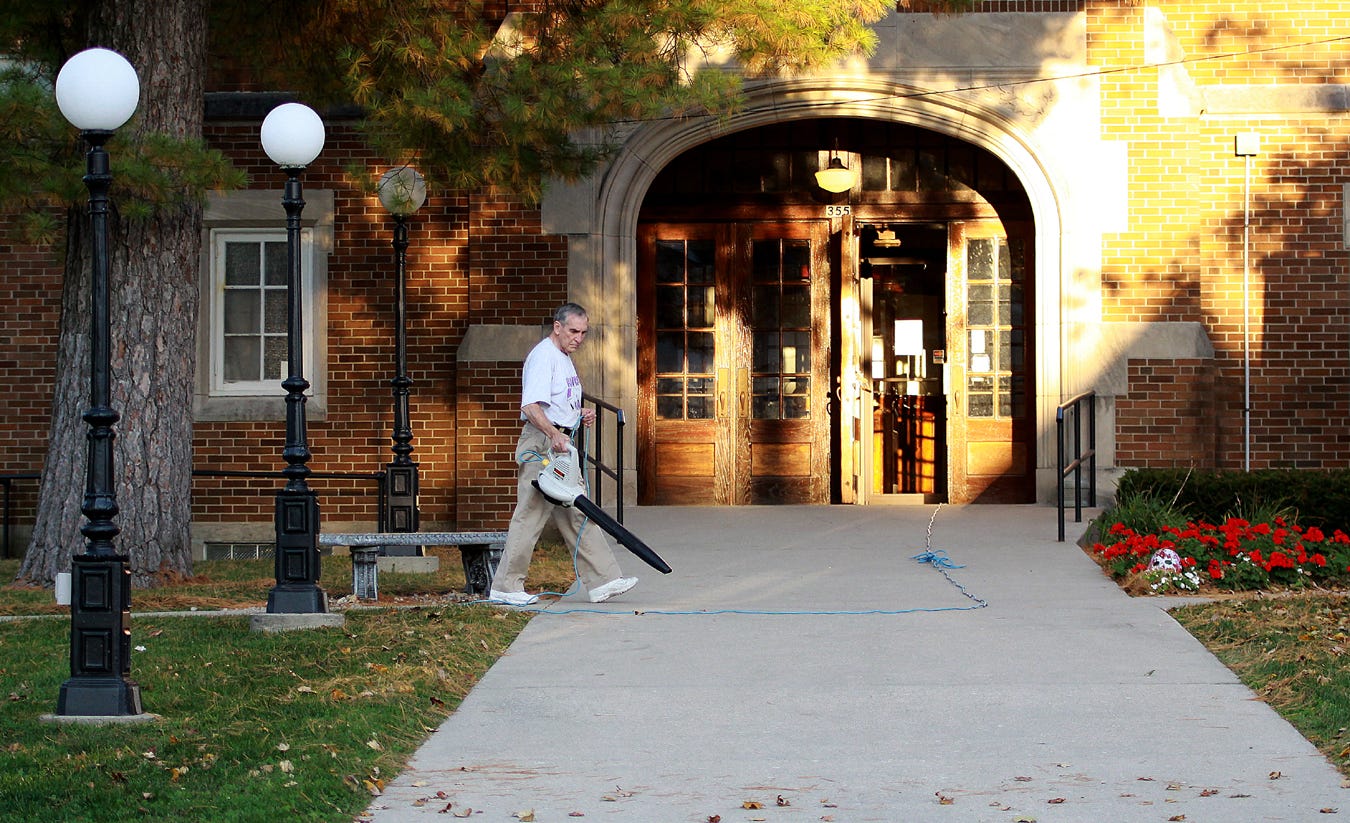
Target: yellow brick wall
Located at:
point(1181, 255)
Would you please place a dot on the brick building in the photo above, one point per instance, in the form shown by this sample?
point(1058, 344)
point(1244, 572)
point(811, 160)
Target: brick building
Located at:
point(1045, 198)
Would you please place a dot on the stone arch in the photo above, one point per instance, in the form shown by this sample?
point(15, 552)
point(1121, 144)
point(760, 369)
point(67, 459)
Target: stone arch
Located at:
point(600, 216)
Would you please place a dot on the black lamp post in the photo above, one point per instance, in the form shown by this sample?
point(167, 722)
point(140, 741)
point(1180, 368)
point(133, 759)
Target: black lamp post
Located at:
point(97, 91)
point(293, 135)
point(402, 192)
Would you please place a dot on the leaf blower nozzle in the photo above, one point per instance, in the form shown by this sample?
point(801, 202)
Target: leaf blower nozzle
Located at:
point(562, 483)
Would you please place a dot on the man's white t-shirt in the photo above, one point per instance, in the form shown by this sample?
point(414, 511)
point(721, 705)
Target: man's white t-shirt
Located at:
point(551, 378)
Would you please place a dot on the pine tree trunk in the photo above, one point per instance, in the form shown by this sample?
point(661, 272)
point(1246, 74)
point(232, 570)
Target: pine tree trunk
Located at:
point(153, 266)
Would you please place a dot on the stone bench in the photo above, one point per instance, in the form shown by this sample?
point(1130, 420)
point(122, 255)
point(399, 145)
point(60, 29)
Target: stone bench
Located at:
point(479, 551)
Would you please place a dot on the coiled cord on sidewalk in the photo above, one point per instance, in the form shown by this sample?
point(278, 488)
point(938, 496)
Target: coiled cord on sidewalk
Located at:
point(937, 558)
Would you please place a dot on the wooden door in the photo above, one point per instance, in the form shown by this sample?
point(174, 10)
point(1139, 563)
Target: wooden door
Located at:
point(733, 363)
point(990, 420)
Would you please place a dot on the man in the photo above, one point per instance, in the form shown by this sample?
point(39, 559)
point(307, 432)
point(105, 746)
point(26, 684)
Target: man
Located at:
point(550, 405)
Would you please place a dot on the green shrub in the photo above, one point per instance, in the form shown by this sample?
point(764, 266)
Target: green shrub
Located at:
point(1320, 498)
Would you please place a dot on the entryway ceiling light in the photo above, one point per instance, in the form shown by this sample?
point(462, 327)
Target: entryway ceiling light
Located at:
point(886, 239)
point(835, 177)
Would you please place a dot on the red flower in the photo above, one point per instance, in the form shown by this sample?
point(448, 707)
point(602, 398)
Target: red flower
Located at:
point(1314, 535)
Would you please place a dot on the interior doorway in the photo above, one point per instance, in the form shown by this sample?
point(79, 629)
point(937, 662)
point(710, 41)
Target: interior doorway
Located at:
point(902, 289)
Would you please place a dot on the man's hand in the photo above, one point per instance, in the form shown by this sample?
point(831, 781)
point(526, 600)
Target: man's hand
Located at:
point(587, 417)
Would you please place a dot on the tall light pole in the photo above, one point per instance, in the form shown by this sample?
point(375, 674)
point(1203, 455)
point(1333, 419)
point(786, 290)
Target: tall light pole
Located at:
point(97, 91)
point(402, 192)
point(293, 135)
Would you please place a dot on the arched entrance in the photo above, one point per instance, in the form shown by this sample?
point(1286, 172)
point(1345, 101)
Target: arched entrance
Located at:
point(800, 346)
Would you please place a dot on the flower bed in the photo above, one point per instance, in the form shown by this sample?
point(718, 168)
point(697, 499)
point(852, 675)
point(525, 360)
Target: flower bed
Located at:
point(1236, 556)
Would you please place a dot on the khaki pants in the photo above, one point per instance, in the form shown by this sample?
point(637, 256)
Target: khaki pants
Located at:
point(595, 559)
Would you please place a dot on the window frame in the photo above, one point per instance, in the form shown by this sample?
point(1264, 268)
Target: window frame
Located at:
point(253, 214)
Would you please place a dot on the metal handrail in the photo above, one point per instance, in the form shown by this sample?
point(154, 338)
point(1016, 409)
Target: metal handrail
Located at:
point(595, 449)
point(1075, 467)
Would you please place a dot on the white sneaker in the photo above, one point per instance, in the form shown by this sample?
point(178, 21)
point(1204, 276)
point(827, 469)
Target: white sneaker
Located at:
point(513, 598)
point(613, 588)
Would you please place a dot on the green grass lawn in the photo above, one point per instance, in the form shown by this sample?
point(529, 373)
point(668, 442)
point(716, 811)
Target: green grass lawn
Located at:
point(1292, 651)
point(302, 726)
point(308, 725)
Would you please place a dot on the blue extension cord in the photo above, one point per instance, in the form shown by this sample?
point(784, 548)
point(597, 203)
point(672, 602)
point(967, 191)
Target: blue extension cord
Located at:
point(937, 558)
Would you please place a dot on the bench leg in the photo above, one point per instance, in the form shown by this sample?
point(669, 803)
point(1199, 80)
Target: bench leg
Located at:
point(480, 564)
point(365, 573)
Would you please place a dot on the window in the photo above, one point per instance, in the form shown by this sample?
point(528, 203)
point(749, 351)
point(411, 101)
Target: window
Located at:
point(242, 335)
point(685, 299)
point(248, 349)
point(995, 374)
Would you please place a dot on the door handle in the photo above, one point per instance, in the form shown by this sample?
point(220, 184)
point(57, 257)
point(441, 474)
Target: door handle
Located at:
point(722, 389)
point(743, 392)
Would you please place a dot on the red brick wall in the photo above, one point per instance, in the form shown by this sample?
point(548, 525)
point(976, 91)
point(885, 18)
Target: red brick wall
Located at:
point(477, 259)
point(1168, 416)
point(30, 291)
point(489, 425)
point(518, 275)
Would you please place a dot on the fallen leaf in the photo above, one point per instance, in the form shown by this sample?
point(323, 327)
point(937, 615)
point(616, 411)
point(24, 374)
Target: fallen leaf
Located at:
point(305, 689)
point(374, 744)
point(526, 816)
point(1275, 775)
point(943, 800)
point(782, 801)
point(1209, 792)
point(465, 812)
point(1055, 800)
point(714, 818)
point(286, 766)
point(752, 804)
point(1328, 810)
point(1176, 818)
point(576, 814)
point(1022, 779)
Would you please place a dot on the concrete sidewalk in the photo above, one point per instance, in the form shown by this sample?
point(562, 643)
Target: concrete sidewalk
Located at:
point(799, 659)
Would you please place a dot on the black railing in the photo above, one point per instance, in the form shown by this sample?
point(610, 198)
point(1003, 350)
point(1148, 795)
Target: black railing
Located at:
point(595, 448)
point(1075, 466)
point(7, 482)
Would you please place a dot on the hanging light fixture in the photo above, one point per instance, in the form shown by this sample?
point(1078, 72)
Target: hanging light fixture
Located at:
point(836, 177)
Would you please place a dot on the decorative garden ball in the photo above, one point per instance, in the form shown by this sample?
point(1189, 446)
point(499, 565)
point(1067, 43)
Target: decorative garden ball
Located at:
point(1165, 560)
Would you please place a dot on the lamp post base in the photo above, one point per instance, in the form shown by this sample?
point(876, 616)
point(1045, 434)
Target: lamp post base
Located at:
point(297, 555)
point(100, 640)
point(99, 697)
point(300, 599)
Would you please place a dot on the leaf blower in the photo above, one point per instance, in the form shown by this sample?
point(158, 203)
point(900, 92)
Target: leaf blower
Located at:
point(561, 482)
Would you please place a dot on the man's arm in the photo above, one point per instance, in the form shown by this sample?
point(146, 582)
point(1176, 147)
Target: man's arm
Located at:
point(534, 412)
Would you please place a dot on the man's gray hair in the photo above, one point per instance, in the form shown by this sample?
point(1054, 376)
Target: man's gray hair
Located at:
point(567, 310)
